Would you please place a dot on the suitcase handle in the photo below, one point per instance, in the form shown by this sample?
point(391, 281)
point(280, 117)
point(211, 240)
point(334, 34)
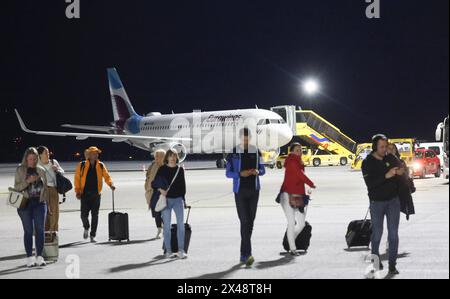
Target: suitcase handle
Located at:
point(365, 219)
point(189, 213)
point(113, 201)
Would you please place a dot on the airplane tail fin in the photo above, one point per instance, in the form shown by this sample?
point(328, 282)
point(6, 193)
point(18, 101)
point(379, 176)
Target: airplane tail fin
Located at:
point(122, 107)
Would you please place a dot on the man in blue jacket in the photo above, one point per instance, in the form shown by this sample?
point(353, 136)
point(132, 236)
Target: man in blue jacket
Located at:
point(245, 167)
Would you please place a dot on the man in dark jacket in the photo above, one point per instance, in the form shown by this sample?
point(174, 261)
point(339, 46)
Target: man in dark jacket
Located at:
point(245, 167)
point(382, 180)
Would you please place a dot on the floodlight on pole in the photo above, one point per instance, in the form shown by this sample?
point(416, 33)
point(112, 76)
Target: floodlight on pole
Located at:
point(310, 87)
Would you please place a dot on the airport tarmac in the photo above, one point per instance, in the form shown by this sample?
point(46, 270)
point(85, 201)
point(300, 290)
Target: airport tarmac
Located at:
point(214, 252)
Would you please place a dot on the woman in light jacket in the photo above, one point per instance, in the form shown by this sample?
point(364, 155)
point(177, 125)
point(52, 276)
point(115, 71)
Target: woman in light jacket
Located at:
point(294, 186)
point(51, 167)
point(30, 178)
point(150, 195)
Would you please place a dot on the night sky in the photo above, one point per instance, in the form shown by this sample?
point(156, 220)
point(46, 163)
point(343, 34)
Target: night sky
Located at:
point(386, 75)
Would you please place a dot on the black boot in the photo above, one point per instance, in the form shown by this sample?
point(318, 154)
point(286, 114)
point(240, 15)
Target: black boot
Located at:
point(393, 269)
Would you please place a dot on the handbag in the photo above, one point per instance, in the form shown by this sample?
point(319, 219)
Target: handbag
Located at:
point(63, 184)
point(298, 201)
point(162, 202)
point(16, 199)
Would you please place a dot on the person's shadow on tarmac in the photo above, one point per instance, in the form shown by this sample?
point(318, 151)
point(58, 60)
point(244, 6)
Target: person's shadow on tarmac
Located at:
point(158, 260)
point(124, 243)
point(260, 266)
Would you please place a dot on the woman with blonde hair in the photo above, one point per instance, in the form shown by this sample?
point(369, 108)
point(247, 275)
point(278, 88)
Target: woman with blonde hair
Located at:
point(30, 179)
point(150, 195)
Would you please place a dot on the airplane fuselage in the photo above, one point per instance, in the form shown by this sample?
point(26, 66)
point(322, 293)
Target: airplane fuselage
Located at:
point(211, 132)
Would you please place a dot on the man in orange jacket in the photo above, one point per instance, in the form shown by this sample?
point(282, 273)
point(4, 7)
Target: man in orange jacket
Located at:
point(89, 178)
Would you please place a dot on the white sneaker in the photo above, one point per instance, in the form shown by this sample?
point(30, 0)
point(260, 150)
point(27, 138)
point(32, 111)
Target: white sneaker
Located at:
point(158, 235)
point(40, 262)
point(182, 255)
point(31, 262)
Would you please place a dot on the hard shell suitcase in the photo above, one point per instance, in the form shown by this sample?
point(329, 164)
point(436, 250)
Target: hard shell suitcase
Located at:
point(118, 224)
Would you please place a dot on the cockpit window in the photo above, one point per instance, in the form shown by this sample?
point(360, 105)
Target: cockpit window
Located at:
point(263, 122)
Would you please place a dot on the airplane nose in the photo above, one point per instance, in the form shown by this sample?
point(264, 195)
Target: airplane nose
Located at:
point(285, 136)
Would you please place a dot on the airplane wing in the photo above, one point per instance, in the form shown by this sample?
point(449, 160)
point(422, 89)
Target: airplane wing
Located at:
point(83, 136)
point(90, 128)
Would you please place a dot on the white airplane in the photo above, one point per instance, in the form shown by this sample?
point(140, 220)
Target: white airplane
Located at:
point(197, 132)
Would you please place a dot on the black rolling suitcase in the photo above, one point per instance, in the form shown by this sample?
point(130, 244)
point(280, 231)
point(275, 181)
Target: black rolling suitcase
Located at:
point(359, 233)
point(303, 240)
point(187, 237)
point(118, 225)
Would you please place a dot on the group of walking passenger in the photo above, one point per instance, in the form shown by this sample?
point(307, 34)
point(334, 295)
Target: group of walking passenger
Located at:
point(384, 172)
point(36, 179)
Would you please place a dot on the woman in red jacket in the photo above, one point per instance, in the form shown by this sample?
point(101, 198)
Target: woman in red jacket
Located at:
point(293, 191)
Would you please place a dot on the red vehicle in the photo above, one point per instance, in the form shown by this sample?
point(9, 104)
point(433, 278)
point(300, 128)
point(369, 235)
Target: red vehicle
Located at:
point(426, 162)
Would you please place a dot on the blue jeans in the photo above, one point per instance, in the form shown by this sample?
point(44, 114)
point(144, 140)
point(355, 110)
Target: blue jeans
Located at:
point(33, 216)
point(390, 209)
point(247, 206)
point(176, 204)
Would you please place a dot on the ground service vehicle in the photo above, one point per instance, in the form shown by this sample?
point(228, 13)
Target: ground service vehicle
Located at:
point(437, 147)
point(363, 150)
point(306, 158)
point(426, 162)
point(406, 147)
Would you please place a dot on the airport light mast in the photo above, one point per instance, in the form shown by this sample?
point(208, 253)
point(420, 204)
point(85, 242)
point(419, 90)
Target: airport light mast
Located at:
point(310, 87)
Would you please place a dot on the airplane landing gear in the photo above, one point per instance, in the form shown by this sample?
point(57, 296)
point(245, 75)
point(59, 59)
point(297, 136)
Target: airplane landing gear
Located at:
point(221, 163)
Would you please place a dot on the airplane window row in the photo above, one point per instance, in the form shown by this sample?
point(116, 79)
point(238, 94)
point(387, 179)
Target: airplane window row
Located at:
point(211, 125)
